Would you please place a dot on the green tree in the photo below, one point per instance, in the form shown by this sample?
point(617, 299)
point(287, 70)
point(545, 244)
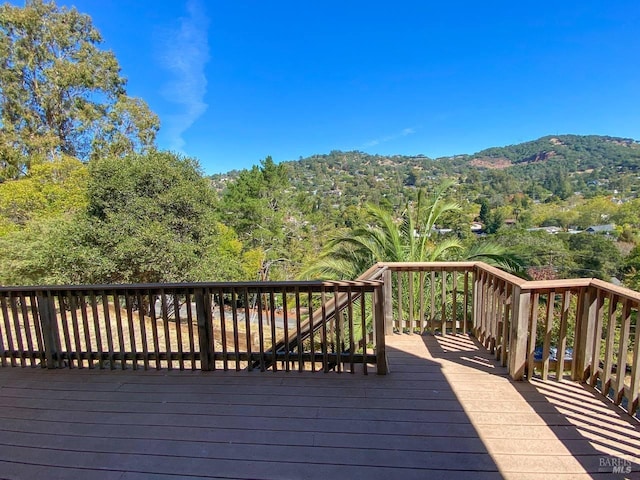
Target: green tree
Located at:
point(558, 183)
point(545, 256)
point(253, 204)
point(147, 218)
point(59, 93)
point(410, 239)
point(411, 178)
point(495, 220)
point(53, 189)
point(594, 256)
point(153, 216)
point(631, 269)
point(627, 213)
point(484, 211)
point(58, 250)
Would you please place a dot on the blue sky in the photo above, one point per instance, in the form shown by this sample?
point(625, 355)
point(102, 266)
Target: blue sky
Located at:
point(236, 80)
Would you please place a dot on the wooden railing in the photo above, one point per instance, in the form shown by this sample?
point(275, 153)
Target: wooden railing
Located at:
point(431, 297)
point(582, 328)
point(317, 326)
point(608, 346)
point(585, 329)
point(331, 310)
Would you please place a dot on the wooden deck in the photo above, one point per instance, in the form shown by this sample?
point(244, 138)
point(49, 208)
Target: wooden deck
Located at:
point(446, 410)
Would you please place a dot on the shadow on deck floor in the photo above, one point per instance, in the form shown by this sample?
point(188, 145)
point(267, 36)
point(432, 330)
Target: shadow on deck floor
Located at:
point(445, 411)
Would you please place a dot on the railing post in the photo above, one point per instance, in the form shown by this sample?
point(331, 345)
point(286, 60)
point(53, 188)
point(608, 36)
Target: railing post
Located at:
point(519, 332)
point(476, 314)
point(379, 329)
point(582, 366)
point(388, 302)
point(50, 333)
point(203, 313)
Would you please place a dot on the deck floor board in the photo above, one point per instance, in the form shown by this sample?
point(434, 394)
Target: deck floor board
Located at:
point(446, 410)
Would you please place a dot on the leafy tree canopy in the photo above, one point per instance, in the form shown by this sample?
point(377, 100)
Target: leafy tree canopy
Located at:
point(253, 204)
point(50, 189)
point(594, 255)
point(59, 93)
point(411, 239)
point(145, 218)
point(151, 215)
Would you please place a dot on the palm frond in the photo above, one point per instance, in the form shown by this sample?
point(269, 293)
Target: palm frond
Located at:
point(384, 239)
point(332, 268)
point(432, 208)
point(441, 249)
point(496, 255)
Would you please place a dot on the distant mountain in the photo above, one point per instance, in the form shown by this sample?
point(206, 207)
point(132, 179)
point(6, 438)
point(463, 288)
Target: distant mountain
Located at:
point(575, 152)
point(556, 164)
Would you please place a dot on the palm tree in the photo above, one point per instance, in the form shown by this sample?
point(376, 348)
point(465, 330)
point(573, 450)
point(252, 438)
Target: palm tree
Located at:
point(411, 239)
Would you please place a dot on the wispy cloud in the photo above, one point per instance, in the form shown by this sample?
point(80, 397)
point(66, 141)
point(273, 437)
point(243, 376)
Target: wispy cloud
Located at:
point(184, 53)
point(388, 138)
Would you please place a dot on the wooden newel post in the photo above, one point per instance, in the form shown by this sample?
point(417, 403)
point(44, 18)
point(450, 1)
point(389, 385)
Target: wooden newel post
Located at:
point(521, 307)
point(50, 333)
point(585, 331)
point(476, 305)
point(203, 312)
point(388, 302)
point(379, 329)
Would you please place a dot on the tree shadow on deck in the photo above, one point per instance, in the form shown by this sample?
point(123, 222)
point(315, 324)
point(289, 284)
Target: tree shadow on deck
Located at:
point(418, 395)
point(434, 416)
point(129, 425)
point(597, 434)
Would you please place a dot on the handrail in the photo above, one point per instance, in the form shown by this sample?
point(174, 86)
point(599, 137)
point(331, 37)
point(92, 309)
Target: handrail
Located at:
point(584, 326)
point(545, 327)
point(622, 292)
point(417, 266)
point(170, 285)
point(327, 312)
point(205, 325)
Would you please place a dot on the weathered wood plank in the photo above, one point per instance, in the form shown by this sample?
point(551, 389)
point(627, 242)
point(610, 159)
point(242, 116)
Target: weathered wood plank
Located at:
point(562, 338)
point(609, 344)
point(548, 328)
point(596, 371)
point(518, 334)
point(621, 367)
point(312, 466)
point(447, 410)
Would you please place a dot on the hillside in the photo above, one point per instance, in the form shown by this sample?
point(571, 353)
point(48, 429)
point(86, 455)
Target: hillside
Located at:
point(154, 218)
point(553, 165)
